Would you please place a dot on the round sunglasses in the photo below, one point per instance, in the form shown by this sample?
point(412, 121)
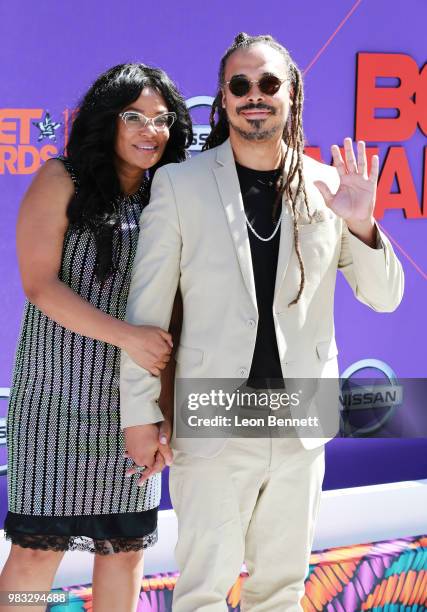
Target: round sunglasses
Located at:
point(268, 84)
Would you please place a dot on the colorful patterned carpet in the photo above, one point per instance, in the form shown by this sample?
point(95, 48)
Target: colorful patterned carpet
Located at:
point(386, 576)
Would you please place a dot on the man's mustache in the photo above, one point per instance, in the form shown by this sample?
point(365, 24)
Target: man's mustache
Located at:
point(260, 106)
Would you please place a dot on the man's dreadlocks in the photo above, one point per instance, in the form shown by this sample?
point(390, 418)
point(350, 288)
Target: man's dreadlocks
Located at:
point(293, 134)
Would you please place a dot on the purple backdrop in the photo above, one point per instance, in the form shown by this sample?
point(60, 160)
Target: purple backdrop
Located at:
point(51, 52)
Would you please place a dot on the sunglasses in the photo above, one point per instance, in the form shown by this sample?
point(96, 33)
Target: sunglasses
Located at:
point(268, 84)
point(135, 121)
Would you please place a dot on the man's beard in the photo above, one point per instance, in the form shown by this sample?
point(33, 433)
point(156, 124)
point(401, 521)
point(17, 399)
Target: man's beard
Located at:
point(258, 134)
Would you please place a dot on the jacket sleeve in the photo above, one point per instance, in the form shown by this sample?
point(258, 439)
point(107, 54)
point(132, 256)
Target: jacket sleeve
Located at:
point(374, 274)
point(155, 279)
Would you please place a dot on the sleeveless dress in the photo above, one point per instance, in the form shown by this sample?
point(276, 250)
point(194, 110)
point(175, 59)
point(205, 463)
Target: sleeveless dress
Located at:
point(67, 487)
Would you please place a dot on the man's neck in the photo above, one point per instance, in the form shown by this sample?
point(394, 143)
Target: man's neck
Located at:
point(264, 155)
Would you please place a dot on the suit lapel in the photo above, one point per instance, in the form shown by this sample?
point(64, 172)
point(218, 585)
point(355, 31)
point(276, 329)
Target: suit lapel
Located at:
point(286, 237)
point(285, 247)
point(231, 197)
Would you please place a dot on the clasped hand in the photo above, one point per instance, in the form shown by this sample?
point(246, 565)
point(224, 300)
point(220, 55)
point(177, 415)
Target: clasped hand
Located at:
point(148, 445)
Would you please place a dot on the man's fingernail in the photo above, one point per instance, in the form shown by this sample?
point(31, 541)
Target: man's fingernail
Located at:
point(163, 439)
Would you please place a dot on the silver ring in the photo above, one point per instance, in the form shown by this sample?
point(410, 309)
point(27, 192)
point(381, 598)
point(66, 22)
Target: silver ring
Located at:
point(139, 469)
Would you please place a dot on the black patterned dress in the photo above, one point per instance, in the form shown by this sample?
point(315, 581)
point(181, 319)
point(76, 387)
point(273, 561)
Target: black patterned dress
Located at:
point(66, 477)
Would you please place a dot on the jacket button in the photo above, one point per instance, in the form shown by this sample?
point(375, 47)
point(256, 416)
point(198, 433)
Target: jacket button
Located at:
point(251, 323)
point(243, 372)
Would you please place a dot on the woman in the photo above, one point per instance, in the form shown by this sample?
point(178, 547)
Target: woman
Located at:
point(76, 237)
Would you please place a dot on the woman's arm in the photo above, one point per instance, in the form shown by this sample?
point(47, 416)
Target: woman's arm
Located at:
point(42, 223)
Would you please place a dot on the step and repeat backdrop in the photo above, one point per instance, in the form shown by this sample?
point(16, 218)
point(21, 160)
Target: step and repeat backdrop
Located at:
point(365, 77)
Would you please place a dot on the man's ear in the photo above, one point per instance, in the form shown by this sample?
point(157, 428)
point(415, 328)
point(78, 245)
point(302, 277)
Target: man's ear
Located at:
point(222, 98)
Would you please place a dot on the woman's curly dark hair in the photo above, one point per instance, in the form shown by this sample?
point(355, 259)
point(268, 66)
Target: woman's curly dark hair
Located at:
point(91, 149)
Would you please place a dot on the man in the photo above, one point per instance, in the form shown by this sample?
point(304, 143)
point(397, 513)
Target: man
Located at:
point(257, 275)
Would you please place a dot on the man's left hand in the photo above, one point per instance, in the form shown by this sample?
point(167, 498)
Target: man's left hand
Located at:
point(355, 199)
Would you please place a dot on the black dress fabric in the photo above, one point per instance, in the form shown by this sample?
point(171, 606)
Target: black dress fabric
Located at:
point(100, 534)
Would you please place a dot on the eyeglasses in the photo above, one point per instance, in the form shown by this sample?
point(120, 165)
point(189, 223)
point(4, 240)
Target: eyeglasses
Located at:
point(135, 121)
point(269, 84)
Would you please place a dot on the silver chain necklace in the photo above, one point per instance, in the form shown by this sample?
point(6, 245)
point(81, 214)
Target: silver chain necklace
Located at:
point(260, 237)
point(270, 184)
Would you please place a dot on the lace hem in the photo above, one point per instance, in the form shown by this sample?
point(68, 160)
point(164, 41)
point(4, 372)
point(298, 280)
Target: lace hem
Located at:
point(83, 543)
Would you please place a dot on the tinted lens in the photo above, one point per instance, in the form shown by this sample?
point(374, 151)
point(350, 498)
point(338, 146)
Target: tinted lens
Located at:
point(239, 86)
point(269, 84)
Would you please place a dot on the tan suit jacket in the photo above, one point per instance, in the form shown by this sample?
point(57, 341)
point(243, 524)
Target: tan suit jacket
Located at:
point(194, 235)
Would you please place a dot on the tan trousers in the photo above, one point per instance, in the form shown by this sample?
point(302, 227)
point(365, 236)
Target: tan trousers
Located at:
point(256, 501)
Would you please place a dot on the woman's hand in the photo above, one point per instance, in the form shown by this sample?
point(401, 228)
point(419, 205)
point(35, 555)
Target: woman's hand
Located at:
point(148, 346)
point(148, 447)
point(142, 444)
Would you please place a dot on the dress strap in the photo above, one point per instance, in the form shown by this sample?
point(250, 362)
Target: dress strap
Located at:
point(70, 169)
